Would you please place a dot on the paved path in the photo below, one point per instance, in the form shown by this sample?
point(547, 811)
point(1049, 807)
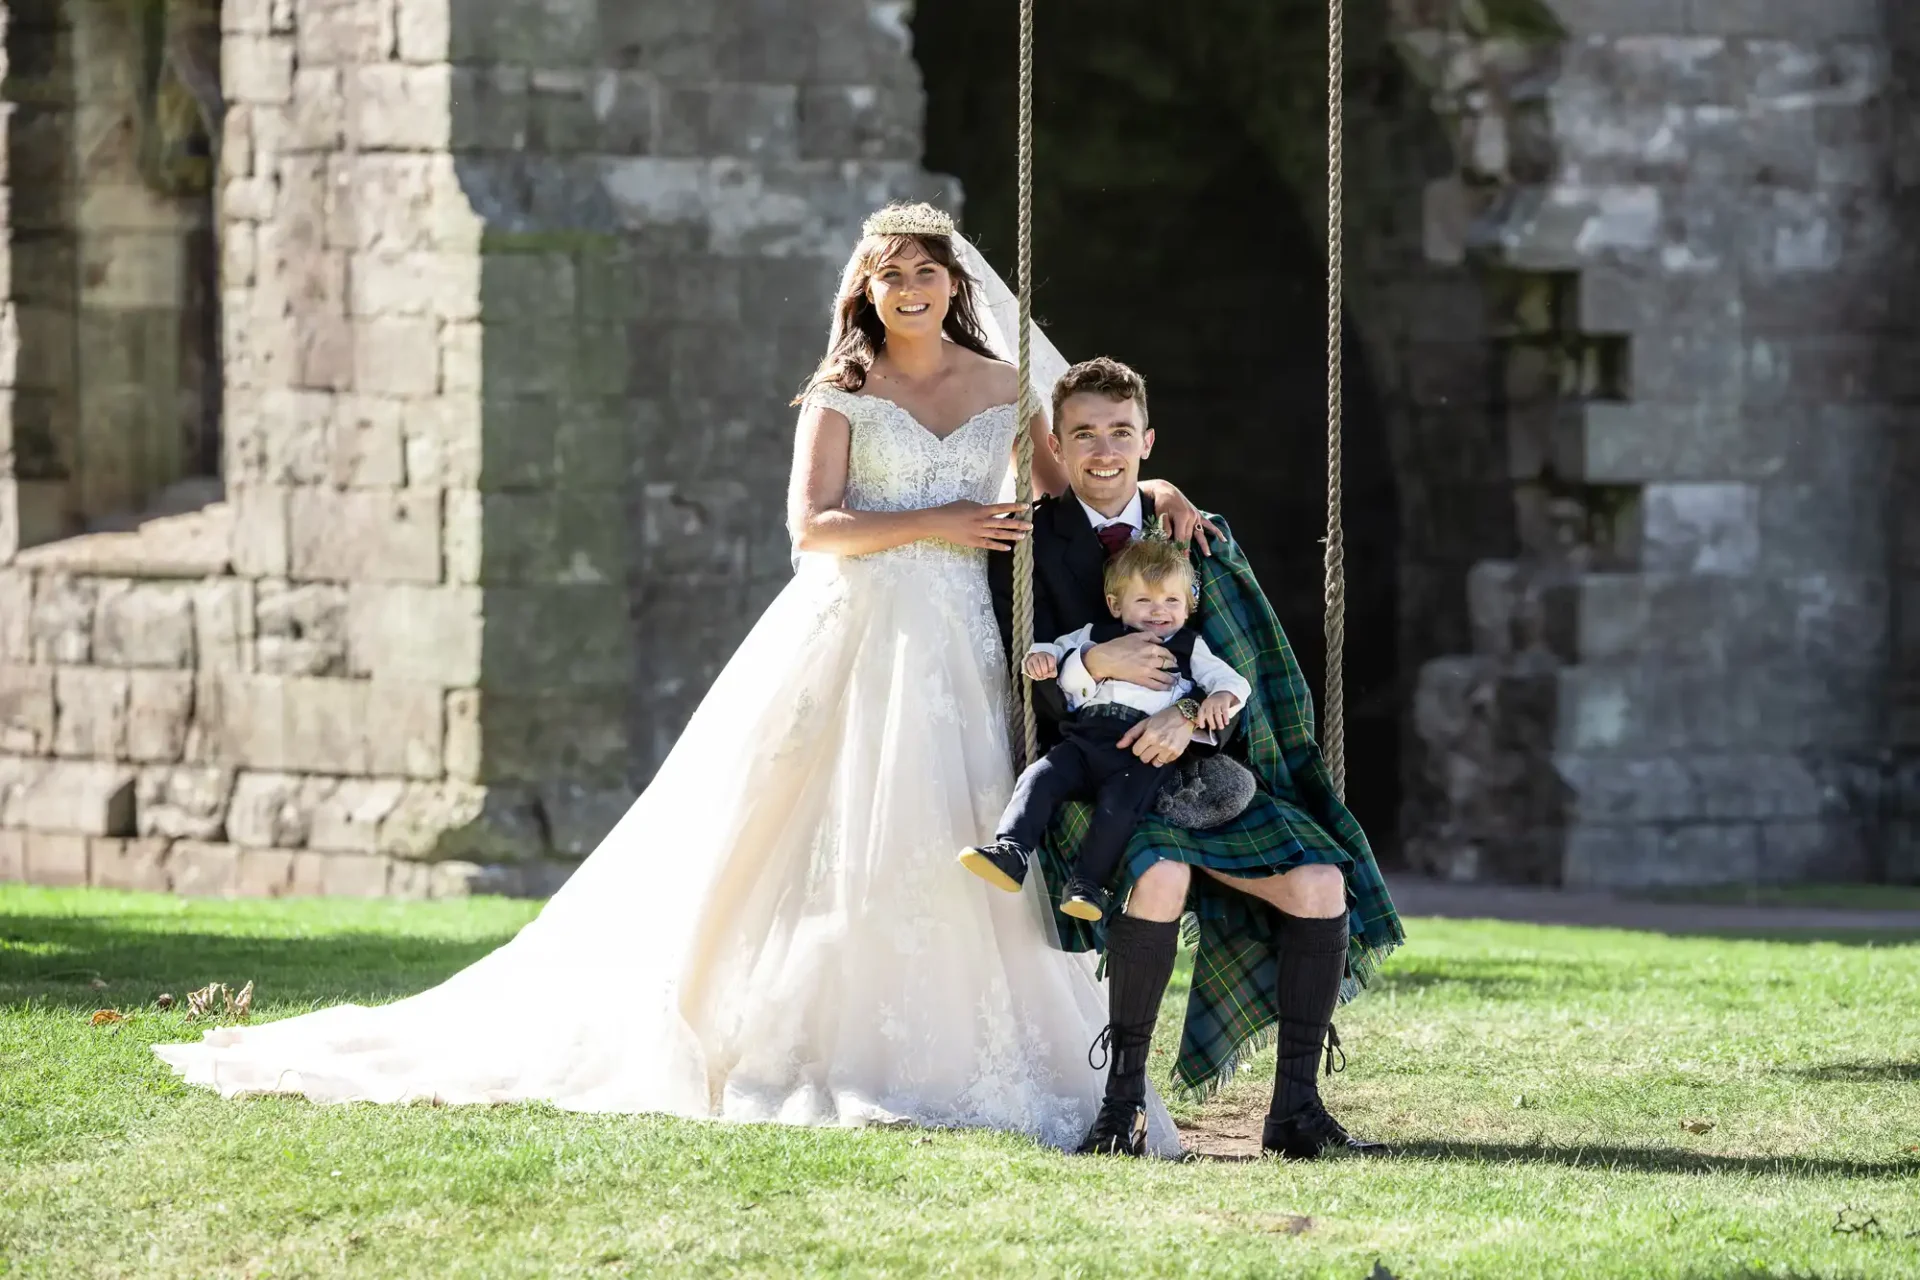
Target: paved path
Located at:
point(1417, 896)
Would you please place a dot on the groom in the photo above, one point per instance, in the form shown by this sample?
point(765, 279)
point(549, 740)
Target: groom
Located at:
point(1279, 885)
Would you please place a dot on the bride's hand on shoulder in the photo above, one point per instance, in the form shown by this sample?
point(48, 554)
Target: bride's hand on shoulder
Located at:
point(1188, 524)
point(988, 526)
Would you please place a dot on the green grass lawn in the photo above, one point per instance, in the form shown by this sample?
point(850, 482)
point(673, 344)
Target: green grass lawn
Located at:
point(1536, 1078)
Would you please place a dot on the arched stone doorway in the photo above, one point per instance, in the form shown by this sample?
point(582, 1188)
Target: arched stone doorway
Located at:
point(1167, 235)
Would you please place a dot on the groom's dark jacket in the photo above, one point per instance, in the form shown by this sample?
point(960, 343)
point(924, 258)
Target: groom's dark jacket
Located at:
point(1068, 593)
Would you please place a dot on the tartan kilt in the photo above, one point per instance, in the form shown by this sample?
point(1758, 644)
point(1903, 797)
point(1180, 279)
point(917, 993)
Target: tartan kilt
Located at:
point(1295, 820)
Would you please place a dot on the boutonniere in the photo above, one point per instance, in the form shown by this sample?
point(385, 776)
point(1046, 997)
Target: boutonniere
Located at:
point(1158, 529)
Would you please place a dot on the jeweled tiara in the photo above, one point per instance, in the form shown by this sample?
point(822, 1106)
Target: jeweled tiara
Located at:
point(909, 220)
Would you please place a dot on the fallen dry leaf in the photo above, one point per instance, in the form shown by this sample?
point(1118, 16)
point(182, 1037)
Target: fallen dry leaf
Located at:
point(1696, 1126)
point(165, 1001)
point(105, 1017)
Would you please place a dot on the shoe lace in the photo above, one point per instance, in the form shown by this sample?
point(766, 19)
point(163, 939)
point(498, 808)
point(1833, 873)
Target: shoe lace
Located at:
point(1333, 1047)
point(1103, 1045)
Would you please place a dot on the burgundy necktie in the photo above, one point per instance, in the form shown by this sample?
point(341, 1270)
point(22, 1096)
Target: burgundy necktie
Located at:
point(1115, 536)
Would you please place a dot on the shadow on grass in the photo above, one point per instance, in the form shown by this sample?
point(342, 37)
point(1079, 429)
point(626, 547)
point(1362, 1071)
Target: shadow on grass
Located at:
point(53, 960)
point(1653, 1159)
point(1860, 1072)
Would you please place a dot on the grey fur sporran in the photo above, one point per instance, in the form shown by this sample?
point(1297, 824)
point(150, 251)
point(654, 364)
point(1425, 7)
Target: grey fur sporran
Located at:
point(1205, 791)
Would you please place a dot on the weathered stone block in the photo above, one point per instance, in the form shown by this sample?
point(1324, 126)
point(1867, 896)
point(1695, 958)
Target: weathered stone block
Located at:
point(287, 723)
point(463, 751)
point(263, 873)
point(423, 31)
point(317, 117)
point(308, 874)
point(13, 856)
point(450, 821)
point(257, 69)
point(62, 627)
point(344, 31)
point(223, 624)
point(56, 858)
point(159, 715)
point(442, 285)
point(141, 624)
point(443, 443)
point(573, 536)
point(183, 803)
point(406, 730)
point(398, 356)
point(1701, 528)
point(463, 537)
point(347, 817)
point(272, 810)
point(204, 870)
point(26, 710)
point(580, 733)
point(260, 530)
point(139, 866)
point(401, 107)
point(354, 875)
point(366, 536)
point(838, 121)
point(1627, 789)
point(556, 637)
point(1699, 853)
point(425, 634)
point(16, 615)
point(301, 629)
point(579, 818)
point(90, 707)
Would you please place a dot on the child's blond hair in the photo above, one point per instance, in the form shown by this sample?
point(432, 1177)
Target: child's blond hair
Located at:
point(1153, 561)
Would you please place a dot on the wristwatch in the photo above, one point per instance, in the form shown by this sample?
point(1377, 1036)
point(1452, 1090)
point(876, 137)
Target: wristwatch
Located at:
point(1189, 708)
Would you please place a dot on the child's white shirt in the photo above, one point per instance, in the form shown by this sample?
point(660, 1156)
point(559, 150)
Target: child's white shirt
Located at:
point(1210, 673)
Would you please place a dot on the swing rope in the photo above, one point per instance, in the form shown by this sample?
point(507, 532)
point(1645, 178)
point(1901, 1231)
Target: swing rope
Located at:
point(1333, 730)
point(1023, 447)
point(1333, 723)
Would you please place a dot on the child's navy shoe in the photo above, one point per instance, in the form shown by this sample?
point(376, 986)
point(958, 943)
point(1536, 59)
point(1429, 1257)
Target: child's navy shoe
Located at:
point(1084, 900)
point(1002, 864)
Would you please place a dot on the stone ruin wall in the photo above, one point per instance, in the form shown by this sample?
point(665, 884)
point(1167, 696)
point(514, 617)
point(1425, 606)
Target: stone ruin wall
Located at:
point(1689, 670)
point(513, 298)
point(514, 295)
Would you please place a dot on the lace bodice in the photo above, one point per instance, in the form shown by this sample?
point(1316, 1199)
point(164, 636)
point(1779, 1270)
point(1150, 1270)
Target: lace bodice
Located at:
point(895, 464)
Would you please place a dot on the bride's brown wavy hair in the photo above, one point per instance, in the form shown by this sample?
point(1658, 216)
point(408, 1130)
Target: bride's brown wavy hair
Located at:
point(859, 335)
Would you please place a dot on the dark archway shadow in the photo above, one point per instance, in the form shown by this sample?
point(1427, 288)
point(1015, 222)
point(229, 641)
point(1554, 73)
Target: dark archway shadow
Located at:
point(1166, 235)
point(53, 960)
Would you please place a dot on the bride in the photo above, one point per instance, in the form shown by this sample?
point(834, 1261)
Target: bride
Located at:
point(777, 929)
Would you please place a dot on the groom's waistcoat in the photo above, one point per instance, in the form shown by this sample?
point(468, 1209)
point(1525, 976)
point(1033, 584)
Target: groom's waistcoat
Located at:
point(1179, 644)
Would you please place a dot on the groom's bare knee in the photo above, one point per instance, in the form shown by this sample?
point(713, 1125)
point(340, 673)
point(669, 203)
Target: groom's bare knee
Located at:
point(1161, 892)
point(1317, 892)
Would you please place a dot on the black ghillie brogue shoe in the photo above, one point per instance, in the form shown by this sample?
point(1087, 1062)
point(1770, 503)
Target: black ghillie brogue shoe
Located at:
point(1002, 864)
point(1310, 1133)
point(1119, 1130)
point(1084, 900)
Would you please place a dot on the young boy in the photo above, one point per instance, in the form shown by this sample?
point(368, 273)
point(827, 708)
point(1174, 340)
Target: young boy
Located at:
point(1149, 586)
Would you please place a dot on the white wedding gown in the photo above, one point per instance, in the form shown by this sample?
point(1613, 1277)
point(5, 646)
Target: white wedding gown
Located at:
point(777, 930)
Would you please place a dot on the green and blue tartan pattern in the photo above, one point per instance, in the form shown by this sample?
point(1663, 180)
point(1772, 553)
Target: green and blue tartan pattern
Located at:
point(1294, 820)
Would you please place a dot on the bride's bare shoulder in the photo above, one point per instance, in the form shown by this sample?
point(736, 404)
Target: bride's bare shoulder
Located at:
point(994, 380)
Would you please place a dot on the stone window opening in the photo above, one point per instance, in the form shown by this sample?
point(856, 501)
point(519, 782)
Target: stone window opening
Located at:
point(114, 298)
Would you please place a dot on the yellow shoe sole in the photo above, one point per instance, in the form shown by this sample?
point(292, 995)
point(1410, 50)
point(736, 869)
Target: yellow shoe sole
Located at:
point(1081, 910)
point(982, 866)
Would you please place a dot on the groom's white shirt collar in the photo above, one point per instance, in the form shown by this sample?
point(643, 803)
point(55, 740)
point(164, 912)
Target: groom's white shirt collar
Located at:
point(1133, 515)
